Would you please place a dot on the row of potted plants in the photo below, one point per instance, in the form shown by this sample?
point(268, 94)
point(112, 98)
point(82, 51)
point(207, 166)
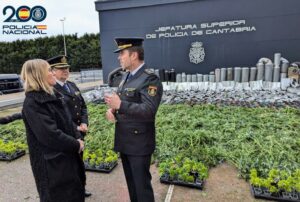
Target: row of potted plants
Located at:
point(183, 171)
point(10, 150)
point(100, 160)
point(278, 185)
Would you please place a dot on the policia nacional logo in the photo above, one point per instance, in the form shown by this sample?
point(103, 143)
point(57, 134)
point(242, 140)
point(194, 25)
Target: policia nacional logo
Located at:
point(152, 90)
point(23, 14)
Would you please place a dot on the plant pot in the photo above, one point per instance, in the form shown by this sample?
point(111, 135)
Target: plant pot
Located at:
point(257, 190)
point(290, 195)
point(264, 193)
point(17, 154)
point(165, 176)
point(198, 184)
point(103, 167)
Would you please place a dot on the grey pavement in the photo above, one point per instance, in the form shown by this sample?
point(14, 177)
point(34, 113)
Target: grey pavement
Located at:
point(17, 185)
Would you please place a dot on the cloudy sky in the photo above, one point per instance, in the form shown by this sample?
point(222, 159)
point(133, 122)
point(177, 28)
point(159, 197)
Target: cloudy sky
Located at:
point(81, 17)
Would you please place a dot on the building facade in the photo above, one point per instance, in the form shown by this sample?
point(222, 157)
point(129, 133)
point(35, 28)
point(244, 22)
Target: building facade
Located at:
point(197, 36)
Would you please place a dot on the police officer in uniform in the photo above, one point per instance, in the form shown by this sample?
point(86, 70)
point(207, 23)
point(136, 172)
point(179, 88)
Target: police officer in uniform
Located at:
point(72, 96)
point(133, 110)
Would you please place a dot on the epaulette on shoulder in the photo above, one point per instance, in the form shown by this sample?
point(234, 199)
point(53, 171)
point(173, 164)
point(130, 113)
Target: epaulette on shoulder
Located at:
point(71, 82)
point(149, 71)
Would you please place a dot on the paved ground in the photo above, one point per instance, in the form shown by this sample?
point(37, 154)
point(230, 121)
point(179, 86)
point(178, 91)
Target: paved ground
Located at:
point(10, 111)
point(17, 185)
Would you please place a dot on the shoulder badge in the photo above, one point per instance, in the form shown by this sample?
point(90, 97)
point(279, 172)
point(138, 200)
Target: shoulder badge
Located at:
point(71, 82)
point(149, 71)
point(152, 90)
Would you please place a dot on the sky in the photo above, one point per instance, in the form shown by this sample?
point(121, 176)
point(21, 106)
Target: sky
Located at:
point(80, 17)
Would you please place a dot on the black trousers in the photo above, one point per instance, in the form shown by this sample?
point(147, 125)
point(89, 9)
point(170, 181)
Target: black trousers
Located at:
point(83, 176)
point(138, 177)
point(81, 155)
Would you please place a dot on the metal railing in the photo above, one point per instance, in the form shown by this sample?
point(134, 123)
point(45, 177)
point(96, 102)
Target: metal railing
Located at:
point(86, 75)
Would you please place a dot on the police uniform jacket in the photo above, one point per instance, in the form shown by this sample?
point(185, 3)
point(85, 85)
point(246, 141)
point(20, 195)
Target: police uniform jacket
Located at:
point(53, 148)
point(76, 104)
point(135, 127)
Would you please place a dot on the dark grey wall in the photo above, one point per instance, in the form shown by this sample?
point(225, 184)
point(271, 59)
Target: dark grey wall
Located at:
point(277, 24)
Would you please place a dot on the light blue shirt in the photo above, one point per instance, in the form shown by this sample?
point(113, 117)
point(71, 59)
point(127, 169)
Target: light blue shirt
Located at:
point(60, 82)
point(137, 69)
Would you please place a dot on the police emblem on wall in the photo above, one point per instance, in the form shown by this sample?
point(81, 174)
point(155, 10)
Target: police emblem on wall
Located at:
point(197, 53)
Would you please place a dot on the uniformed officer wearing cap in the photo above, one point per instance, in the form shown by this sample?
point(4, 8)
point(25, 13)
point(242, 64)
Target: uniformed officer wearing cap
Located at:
point(72, 96)
point(133, 110)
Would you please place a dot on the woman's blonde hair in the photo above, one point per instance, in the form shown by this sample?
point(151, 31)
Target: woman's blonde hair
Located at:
point(34, 74)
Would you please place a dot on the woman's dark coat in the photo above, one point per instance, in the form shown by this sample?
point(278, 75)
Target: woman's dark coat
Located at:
point(53, 148)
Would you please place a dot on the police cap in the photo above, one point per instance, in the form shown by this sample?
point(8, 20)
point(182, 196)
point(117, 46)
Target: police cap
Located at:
point(124, 43)
point(58, 62)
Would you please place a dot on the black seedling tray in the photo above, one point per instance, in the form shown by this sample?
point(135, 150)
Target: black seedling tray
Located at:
point(14, 156)
point(101, 168)
point(262, 193)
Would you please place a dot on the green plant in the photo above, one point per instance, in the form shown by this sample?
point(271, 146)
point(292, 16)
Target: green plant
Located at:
point(296, 176)
point(99, 160)
point(254, 179)
point(183, 169)
point(9, 148)
point(260, 138)
point(277, 180)
point(287, 184)
point(99, 157)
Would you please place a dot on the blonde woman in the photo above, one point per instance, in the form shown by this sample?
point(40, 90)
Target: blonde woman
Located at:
point(53, 146)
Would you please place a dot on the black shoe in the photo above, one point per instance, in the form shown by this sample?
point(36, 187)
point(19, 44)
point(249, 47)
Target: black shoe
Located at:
point(87, 194)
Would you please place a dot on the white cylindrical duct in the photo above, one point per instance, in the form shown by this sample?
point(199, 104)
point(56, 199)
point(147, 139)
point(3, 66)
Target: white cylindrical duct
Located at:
point(269, 72)
point(229, 74)
point(178, 78)
point(194, 78)
point(211, 78)
point(276, 74)
point(205, 77)
point(223, 74)
point(277, 58)
point(245, 74)
point(284, 67)
point(218, 74)
point(253, 72)
point(188, 78)
point(183, 77)
point(237, 74)
point(199, 77)
point(260, 71)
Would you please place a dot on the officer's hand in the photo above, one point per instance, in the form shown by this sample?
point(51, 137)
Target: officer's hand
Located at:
point(83, 127)
point(81, 145)
point(110, 116)
point(113, 101)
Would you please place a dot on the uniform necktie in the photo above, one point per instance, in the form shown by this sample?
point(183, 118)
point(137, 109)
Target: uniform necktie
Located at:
point(65, 86)
point(129, 77)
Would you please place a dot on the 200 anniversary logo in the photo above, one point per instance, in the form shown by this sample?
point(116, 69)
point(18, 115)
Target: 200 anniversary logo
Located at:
point(22, 15)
